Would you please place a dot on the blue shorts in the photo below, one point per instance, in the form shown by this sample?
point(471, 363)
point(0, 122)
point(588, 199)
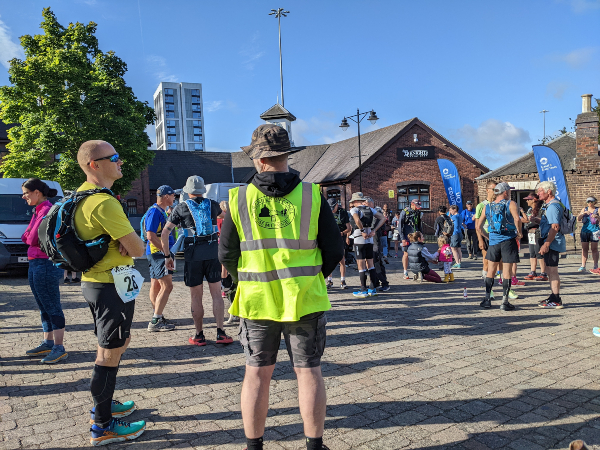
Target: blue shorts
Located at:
point(158, 268)
point(455, 240)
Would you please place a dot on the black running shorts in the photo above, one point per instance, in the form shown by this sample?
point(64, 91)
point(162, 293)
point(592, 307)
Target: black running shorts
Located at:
point(194, 272)
point(304, 340)
point(506, 251)
point(112, 317)
point(363, 251)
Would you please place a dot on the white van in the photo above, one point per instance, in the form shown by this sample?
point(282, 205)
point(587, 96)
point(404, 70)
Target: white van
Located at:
point(15, 215)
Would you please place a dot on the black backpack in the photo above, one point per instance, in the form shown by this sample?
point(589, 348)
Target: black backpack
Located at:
point(60, 241)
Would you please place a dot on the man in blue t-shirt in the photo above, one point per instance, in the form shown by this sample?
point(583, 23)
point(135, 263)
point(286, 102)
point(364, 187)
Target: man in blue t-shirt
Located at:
point(456, 238)
point(504, 229)
point(468, 218)
point(161, 279)
point(552, 241)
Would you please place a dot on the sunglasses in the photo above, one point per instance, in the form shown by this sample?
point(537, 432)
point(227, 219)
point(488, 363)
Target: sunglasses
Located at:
point(113, 158)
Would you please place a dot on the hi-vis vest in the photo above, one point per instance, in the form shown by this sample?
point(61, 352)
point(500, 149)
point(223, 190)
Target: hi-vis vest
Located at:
point(279, 270)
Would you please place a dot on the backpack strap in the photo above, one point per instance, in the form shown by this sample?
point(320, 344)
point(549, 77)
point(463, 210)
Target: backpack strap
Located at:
point(78, 196)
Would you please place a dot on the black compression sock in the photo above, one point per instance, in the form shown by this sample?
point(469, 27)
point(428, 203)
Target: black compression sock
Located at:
point(102, 387)
point(489, 283)
point(363, 280)
point(374, 278)
point(505, 287)
point(254, 444)
point(314, 443)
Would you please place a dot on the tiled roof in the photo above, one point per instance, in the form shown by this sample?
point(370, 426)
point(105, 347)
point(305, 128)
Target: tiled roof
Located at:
point(564, 146)
point(243, 167)
point(277, 112)
point(173, 167)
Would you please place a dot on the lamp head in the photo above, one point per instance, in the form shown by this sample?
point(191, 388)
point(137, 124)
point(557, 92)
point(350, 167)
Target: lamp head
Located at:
point(344, 126)
point(373, 118)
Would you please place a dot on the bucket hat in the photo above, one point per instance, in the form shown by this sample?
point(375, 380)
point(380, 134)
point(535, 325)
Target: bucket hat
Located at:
point(357, 197)
point(269, 140)
point(194, 185)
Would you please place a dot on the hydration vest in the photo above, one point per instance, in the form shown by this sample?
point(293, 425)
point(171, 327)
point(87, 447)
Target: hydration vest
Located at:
point(202, 217)
point(412, 218)
point(497, 215)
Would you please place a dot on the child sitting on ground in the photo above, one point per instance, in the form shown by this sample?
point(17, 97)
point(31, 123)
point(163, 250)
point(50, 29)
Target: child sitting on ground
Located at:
point(445, 256)
point(418, 258)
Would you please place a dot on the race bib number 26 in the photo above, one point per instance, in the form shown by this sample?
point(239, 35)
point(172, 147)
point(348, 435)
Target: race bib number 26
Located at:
point(128, 282)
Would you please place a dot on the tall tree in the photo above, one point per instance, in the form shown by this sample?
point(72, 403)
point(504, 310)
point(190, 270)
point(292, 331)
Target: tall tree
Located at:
point(65, 92)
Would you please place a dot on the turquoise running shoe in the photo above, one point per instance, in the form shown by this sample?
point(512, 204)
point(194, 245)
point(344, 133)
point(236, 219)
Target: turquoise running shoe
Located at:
point(57, 354)
point(512, 295)
point(117, 409)
point(42, 349)
point(117, 431)
point(361, 294)
point(596, 331)
point(372, 292)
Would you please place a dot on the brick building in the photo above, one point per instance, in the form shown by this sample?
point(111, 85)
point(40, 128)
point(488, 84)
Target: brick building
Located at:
point(579, 155)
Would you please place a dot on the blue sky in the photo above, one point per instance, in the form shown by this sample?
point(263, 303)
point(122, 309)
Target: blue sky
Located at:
point(478, 72)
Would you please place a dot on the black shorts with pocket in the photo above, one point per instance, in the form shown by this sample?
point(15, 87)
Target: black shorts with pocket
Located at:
point(551, 258)
point(507, 251)
point(587, 236)
point(305, 340)
point(363, 251)
point(194, 272)
point(112, 317)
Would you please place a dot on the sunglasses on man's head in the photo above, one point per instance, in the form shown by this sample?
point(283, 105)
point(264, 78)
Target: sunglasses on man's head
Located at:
point(113, 158)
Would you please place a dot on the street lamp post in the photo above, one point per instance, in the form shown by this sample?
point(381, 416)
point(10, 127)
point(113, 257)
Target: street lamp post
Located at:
point(544, 111)
point(278, 13)
point(344, 126)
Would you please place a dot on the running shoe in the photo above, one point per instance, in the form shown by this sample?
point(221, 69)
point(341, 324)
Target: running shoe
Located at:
point(515, 282)
point(117, 431)
point(67, 281)
point(596, 331)
point(542, 277)
point(396, 255)
point(198, 340)
point(474, 258)
point(500, 281)
point(506, 306)
point(595, 271)
point(223, 294)
point(456, 266)
point(498, 275)
point(343, 285)
point(222, 338)
point(41, 349)
point(581, 269)
point(117, 410)
point(329, 284)
point(531, 276)
point(551, 304)
point(57, 354)
point(419, 277)
point(492, 295)
point(75, 280)
point(372, 292)
point(385, 260)
point(512, 295)
point(384, 288)
point(361, 294)
point(406, 276)
point(160, 324)
point(486, 303)
point(470, 257)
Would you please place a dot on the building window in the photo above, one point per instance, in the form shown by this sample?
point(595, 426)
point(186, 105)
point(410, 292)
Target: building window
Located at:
point(171, 130)
point(197, 138)
point(172, 146)
point(170, 114)
point(168, 91)
point(169, 99)
point(195, 99)
point(170, 123)
point(171, 138)
point(197, 123)
point(197, 130)
point(131, 206)
point(407, 194)
point(197, 146)
point(196, 115)
point(195, 107)
point(169, 107)
point(196, 92)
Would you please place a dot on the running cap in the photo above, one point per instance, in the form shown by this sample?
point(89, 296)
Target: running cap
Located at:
point(332, 202)
point(469, 202)
point(591, 199)
point(531, 196)
point(501, 187)
point(164, 190)
point(369, 200)
point(194, 185)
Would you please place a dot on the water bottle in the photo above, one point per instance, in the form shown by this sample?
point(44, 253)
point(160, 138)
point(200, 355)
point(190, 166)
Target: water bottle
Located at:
point(465, 293)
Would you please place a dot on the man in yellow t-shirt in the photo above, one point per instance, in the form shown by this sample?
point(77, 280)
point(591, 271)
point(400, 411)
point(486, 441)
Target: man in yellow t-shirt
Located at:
point(96, 215)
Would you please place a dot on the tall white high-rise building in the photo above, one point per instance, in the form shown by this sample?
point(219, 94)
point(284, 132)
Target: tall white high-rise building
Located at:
point(179, 116)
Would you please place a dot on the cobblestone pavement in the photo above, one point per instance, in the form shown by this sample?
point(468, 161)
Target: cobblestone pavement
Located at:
point(419, 367)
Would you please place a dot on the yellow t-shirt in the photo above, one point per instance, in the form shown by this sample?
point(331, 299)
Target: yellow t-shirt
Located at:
point(102, 214)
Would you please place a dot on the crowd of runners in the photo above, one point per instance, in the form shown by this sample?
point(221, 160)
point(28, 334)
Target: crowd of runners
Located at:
point(271, 250)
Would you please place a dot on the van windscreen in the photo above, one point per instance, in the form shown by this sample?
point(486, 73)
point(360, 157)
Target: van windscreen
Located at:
point(13, 209)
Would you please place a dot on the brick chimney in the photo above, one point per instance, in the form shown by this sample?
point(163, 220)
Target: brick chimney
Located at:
point(587, 136)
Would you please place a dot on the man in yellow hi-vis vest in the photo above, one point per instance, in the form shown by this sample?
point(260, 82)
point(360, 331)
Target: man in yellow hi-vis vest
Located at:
point(278, 241)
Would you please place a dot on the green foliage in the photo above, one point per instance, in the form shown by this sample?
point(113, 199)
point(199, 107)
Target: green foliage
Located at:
point(65, 92)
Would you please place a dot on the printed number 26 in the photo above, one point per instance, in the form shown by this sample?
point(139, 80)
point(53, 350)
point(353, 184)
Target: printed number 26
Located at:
point(132, 284)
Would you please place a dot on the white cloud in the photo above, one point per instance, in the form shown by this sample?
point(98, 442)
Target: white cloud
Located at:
point(557, 89)
point(494, 142)
point(158, 65)
point(8, 48)
point(214, 105)
point(251, 53)
point(583, 6)
point(576, 59)
point(325, 129)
